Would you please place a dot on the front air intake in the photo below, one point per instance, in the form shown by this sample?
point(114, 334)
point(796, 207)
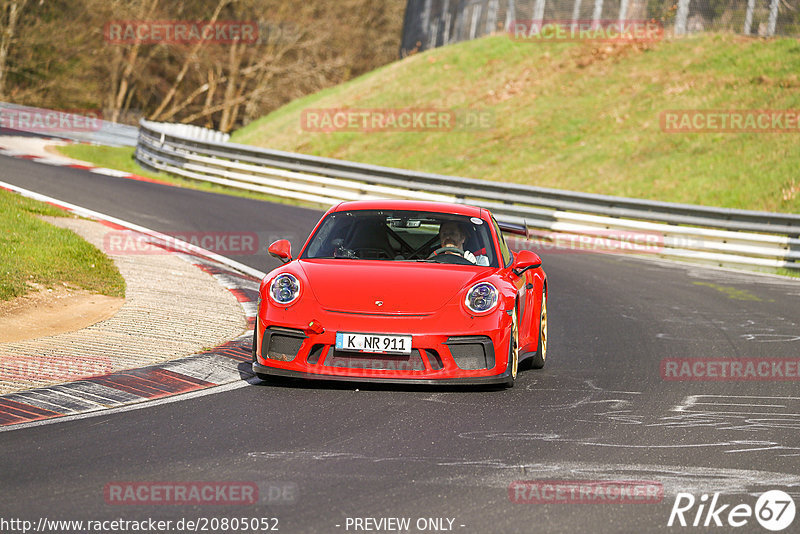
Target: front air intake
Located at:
point(375, 361)
point(281, 343)
point(471, 352)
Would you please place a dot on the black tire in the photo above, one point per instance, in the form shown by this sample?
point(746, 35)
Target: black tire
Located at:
point(539, 359)
point(513, 351)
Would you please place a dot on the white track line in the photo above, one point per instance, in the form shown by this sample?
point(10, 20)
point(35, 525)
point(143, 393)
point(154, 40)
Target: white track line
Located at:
point(184, 246)
point(145, 403)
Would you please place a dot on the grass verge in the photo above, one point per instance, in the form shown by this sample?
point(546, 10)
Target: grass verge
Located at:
point(35, 252)
point(576, 116)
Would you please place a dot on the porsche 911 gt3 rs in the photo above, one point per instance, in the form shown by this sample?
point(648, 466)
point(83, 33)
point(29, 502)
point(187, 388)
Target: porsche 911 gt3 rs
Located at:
point(402, 291)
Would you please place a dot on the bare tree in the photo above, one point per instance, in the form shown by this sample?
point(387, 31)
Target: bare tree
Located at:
point(121, 84)
point(11, 11)
point(64, 58)
point(190, 58)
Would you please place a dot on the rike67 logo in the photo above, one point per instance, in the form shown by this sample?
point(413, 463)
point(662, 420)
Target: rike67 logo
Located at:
point(774, 510)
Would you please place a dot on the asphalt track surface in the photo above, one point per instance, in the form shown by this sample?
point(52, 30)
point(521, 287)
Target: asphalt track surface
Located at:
point(600, 410)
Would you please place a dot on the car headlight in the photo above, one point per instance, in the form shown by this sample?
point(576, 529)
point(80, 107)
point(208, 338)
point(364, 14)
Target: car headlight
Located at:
point(284, 289)
point(481, 298)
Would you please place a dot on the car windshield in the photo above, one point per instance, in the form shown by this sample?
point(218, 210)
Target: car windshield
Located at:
point(403, 236)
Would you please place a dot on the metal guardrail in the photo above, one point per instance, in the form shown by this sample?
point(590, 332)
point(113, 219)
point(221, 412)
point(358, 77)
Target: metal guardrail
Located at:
point(548, 217)
point(71, 125)
point(194, 132)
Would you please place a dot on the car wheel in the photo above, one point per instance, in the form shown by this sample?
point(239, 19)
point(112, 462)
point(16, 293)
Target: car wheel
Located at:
point(537, 362)
point(513, 350)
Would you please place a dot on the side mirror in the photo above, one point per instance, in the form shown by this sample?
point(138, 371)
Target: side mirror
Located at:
point(282, 250)
point(524, 260)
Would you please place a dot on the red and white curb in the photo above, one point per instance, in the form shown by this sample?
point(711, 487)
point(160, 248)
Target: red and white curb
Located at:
point(65, 162)
point(222, 365)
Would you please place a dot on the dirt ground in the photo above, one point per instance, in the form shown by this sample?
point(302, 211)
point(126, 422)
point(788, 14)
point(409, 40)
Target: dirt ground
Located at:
point(46, 312)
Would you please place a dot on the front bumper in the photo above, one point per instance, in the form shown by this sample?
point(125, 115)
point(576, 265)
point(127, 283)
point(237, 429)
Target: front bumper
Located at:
point(462, 381)
point(466, 351)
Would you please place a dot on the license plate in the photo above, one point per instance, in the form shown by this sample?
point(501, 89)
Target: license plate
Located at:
point(380, 343)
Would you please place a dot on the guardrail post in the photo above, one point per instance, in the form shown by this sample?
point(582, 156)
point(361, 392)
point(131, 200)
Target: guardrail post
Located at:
point(538, 12)
point(597, 13)
point(476, 17)
point(623, 12)
point(773, 18)
point(425, 15)
point(681, 16)
point(748, 17)
point(433, 33)
point(491, 17)
point(576, 12)
point(459, 26)
point(511, 14)
point(446, 22)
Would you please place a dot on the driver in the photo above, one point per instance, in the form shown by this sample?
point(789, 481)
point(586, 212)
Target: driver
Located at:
point(452, 237)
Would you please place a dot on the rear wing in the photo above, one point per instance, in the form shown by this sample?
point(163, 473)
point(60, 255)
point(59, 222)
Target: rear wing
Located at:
point(513, 228)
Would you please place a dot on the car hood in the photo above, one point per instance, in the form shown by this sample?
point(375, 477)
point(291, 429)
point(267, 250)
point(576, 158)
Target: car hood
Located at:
point(403, 288)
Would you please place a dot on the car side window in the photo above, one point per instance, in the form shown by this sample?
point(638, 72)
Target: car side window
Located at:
point(504, 250)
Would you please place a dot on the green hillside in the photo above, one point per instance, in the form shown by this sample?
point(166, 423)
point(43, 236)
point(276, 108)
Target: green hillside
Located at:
point(576, 116)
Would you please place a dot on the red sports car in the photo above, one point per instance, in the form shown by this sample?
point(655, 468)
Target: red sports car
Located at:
point(402, 292)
